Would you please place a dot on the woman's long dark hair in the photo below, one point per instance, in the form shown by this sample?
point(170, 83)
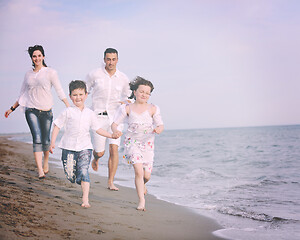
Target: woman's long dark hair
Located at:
point(34, 48)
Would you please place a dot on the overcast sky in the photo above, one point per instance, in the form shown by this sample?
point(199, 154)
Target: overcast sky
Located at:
point(214, 63)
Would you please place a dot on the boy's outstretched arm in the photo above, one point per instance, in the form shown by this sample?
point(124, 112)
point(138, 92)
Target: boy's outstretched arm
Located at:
point(53, 138)
point(104, 133)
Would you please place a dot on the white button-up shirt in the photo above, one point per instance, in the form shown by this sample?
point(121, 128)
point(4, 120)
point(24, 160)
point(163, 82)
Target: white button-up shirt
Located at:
point(36, 89)
point(77, 125)
point(107, 91)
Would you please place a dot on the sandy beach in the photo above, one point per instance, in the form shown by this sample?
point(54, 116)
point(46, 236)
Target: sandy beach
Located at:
point(50, 208)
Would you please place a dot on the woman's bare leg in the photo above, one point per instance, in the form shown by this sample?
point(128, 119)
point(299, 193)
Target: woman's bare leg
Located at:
point(38, 156)
point(46, 164)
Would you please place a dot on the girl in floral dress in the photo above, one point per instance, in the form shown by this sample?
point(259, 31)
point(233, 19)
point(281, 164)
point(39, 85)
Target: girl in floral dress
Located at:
point(144, 120)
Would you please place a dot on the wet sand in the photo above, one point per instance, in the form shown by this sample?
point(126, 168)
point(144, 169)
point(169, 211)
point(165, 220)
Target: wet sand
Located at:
point(50, 208)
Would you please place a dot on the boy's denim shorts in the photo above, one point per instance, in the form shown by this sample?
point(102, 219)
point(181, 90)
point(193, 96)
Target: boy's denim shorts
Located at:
point(76, 165)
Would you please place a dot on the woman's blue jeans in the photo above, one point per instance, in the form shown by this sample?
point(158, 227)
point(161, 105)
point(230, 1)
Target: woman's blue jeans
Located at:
point(39, 123)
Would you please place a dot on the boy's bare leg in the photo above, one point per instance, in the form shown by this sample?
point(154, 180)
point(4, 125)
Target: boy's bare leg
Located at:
point(95, 162)
point(46, 164)
point(85, 194)
point(113, 162)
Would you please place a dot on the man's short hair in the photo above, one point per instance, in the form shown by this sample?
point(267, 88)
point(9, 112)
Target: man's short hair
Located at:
point(110, 50)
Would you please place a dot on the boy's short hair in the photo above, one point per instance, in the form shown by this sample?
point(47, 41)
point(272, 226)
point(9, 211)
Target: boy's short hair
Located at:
point(77, 84)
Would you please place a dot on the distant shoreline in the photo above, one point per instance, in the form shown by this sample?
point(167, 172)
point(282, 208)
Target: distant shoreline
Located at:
point(188, 129)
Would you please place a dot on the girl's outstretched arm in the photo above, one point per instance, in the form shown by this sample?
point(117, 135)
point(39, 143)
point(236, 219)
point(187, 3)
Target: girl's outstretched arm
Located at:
point(158, 129)
point(116, 132)
point(119, 117)
point(158, 122)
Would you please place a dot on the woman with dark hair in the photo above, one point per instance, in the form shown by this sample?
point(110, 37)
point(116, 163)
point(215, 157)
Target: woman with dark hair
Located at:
point(36, 98)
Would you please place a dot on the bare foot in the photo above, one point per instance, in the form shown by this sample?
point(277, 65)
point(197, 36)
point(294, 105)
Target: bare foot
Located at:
point(95, 164)
point(41, 174)
point(141, 206)
point(85, 205)
point(46, 168)
point(143, 209)
point(112, 187)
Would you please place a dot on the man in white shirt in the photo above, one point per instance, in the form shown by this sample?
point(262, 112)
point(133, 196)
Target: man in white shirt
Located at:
point(109, 88)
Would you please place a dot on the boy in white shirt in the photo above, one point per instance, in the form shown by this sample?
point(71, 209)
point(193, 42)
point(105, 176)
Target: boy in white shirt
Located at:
point(76, 142)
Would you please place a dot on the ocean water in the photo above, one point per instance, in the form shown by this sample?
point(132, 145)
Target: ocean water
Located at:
point(247, 179)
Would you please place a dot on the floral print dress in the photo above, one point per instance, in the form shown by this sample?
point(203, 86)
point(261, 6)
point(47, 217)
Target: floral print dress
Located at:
point(139, 138)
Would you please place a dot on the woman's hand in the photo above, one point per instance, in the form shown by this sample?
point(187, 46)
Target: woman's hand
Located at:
point(9, 111)
point(12, 108)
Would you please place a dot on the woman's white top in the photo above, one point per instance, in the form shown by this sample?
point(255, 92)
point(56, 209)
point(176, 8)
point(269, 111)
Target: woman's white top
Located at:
point(36, 89)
